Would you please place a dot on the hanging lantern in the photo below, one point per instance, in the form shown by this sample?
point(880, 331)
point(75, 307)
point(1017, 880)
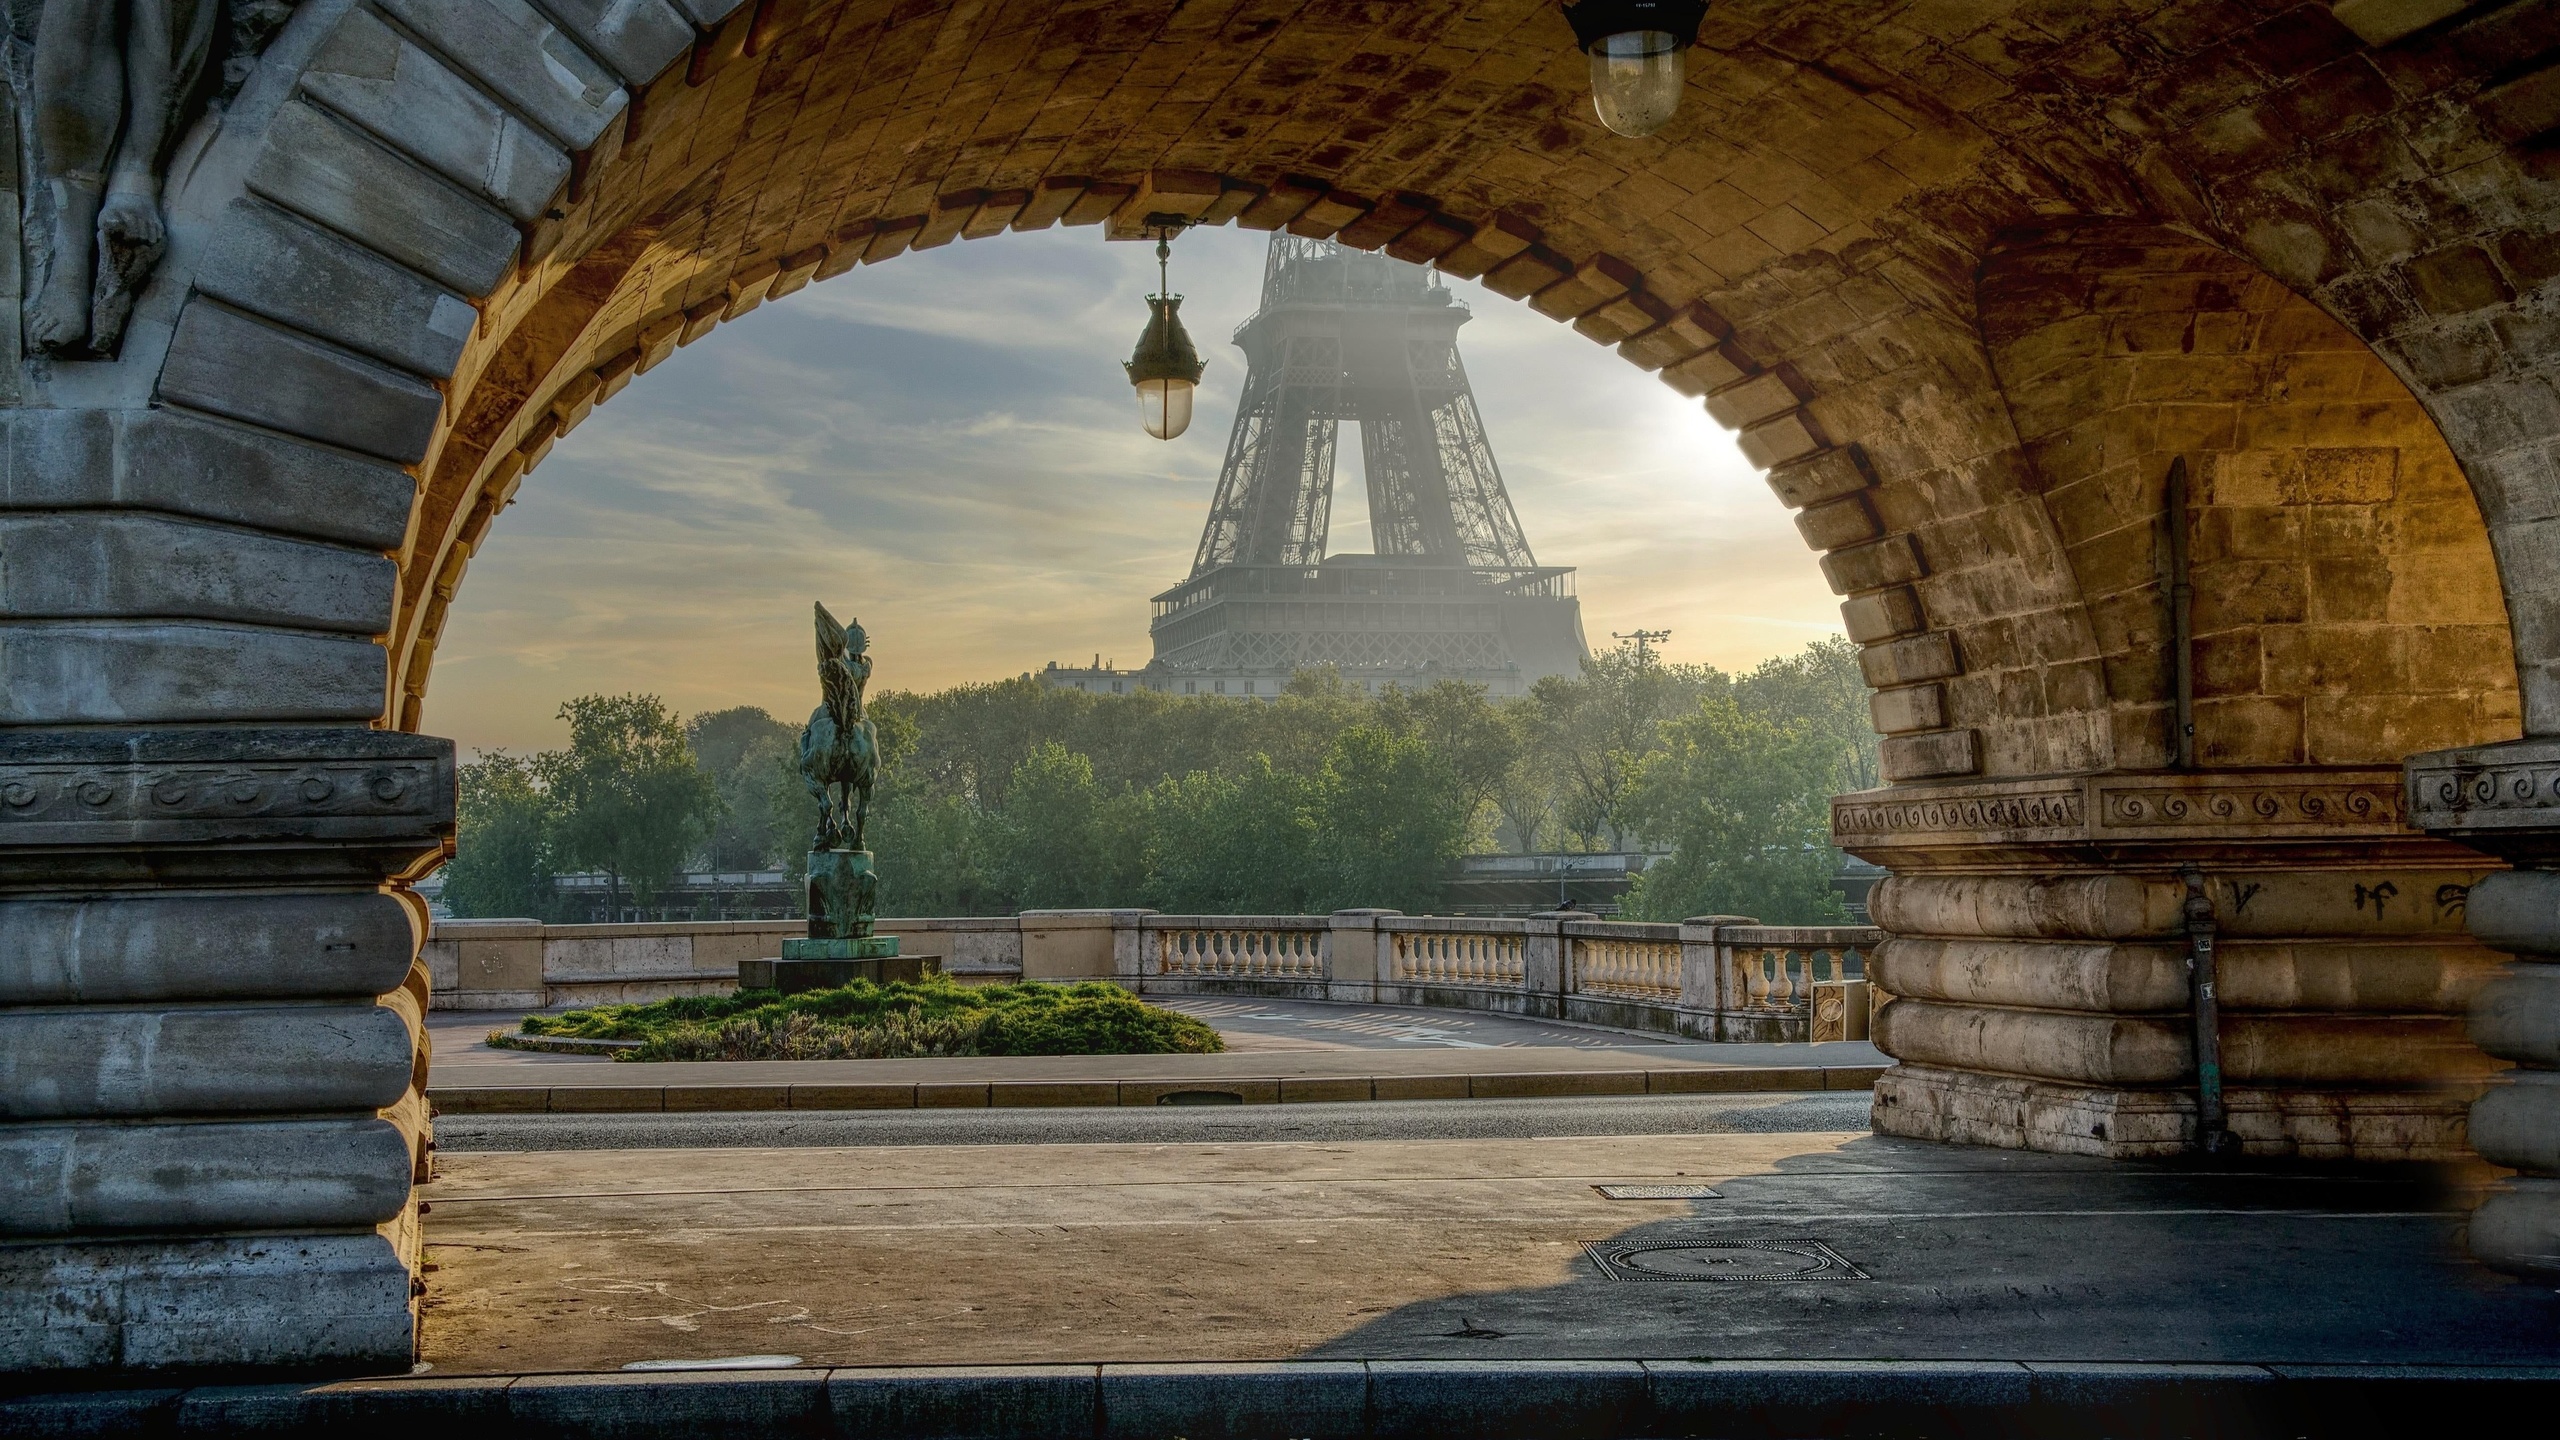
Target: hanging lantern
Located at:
point(1166, 368)
point(1638, 51)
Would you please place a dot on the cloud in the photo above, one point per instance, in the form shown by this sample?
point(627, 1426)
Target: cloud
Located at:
point(945, 446)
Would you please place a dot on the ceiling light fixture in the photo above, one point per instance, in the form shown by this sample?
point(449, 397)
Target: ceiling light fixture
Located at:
point(1638, 51)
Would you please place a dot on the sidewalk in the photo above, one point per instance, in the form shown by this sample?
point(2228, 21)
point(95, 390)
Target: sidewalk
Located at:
point(1268, 1067)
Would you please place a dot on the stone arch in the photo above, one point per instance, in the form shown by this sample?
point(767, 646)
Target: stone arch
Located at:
point(2347, 609)
point(431, 235)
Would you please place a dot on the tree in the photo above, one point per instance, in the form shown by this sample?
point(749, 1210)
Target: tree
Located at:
point(1822, 685)
point(1588, 735)
point(1464, 729)
point(631, 800)
point(1388, 825)
point(1745, 801)
point(1061, 841)
point(740, 750)
point(1242, 844)
point(501, 864)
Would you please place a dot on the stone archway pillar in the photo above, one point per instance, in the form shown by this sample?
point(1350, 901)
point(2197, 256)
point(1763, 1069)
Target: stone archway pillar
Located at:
point(2036, 965)
point(2505, 799)
point(212, 1052)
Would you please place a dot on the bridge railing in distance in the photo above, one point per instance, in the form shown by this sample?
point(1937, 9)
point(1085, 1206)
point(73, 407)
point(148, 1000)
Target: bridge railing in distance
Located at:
point(1236, 947)
point(1426, 952)
point(1809, 976)
point(1712, 977)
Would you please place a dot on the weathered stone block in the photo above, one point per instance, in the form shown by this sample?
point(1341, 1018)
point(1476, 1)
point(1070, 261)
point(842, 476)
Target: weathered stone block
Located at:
point(283, 1301)
point(638, 38)
point(2016, 1112)
point(1891, 561)
point(183, 672)
point(2517, 911)
point(1761, 397)
point(267, 262)
point(172, 947)
point(2517, 1229)
point(65, 1063)
point(163, 460)
point(1827, 476)
point(2517, 1015)
point(1913, 707)
point(1838, 524)
point(1929, 656)
point(518, 53)
point(317, 167)
point(377, 78)
point(103, 564)
point(246, 369)
point(262, 1174)
point(2516, 1122)
point(1935, 755)
point(1882, 615)
point(1791, 436)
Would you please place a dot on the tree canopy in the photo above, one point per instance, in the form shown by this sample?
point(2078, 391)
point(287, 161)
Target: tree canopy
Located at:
point(1014, 795)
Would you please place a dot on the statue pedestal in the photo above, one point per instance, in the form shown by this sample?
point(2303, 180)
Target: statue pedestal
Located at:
point(826, 964)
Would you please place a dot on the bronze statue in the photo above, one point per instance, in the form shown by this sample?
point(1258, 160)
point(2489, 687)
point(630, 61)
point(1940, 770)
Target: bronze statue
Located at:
point(839, 761)
point(839, 751)
point(112, 82)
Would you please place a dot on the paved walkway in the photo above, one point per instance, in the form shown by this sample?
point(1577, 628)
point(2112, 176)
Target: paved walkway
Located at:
point(1827, 1245)
point(1280, 1052)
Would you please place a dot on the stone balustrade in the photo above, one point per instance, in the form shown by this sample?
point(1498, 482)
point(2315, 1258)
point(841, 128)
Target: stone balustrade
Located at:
point(1708, 979)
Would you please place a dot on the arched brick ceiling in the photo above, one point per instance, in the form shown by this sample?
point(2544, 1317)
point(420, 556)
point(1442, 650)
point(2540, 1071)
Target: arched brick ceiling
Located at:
point(1803, 240)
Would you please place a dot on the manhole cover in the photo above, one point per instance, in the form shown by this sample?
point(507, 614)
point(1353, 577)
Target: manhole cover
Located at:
point(1659, 1192)
point(1760, 1260)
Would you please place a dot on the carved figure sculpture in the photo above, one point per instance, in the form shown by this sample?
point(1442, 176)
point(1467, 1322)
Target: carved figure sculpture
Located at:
point(839, 751)
point(111, 81)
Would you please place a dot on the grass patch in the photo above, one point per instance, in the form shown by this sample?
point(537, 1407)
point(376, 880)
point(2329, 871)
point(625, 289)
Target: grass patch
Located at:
point(897, 1021)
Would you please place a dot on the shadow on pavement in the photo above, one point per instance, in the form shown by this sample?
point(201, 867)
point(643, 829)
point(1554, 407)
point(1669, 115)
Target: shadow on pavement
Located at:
point(1976, 1254)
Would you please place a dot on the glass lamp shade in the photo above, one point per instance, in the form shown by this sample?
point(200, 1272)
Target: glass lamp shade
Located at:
point(1164, 406)
point(1165, 369)
point(1636, 80)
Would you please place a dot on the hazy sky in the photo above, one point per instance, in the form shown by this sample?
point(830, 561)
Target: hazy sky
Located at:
point(944, 447)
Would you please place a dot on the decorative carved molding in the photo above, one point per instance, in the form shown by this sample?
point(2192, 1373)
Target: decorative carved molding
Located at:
point(2144, 818)
point(127, 793)
point(2059, 810)
point(222, 806)
point(2504, 799)
point(2349, 806)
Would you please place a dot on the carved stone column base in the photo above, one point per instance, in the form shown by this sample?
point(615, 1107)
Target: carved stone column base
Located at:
point(2505, 799)
point(2013, 1112)
point(212, 1018)
point(2036, 978)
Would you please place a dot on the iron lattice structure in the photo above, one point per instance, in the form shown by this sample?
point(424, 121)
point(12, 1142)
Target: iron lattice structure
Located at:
point(1452, 590)
point(1343, 335)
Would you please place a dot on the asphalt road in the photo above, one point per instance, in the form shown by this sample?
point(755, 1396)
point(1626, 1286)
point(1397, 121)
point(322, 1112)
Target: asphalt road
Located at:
point(1168, 1125)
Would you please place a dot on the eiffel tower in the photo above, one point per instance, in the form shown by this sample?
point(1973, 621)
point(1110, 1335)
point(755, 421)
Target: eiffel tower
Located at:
point(1450, 588)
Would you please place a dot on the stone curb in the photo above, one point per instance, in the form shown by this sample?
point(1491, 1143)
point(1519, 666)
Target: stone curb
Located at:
point(1246, 1090)
point(1346, 1400)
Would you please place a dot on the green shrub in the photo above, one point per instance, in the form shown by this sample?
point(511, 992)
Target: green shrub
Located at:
point(900, 1020)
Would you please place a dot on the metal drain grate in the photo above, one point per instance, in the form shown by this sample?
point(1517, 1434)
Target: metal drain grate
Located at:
point(1659, 1192)
point(1723, 1260)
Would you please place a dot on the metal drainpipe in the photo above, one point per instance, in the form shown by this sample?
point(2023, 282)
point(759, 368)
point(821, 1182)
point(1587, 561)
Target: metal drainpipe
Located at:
point(2182, 594)
point(2213, 1134)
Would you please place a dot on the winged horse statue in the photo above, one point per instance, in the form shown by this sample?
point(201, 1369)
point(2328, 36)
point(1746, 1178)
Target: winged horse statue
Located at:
point(839, 751)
